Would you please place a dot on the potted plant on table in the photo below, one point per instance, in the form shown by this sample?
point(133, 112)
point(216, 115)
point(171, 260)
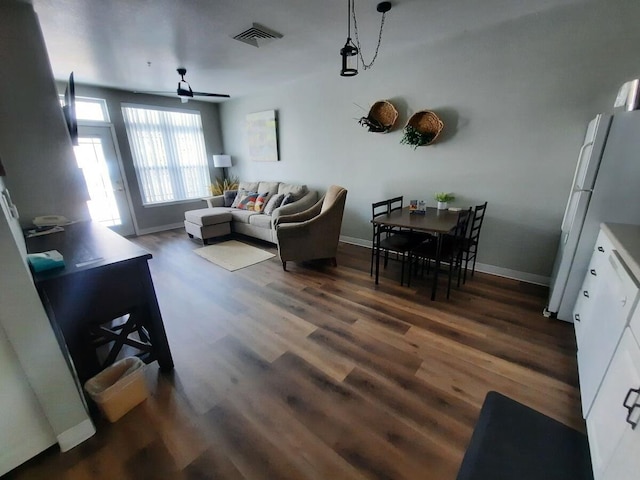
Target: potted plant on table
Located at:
point(443, 199)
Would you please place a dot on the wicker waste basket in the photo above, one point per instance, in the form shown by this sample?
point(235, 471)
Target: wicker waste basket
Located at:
point(118, 388)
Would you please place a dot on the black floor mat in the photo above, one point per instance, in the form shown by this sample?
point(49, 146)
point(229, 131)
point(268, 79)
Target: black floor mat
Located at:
point(514, 442)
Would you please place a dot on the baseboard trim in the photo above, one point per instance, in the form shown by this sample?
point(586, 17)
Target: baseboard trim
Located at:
point(76, 435)
point(480, 267)
point(513, 274)
point(161, 228)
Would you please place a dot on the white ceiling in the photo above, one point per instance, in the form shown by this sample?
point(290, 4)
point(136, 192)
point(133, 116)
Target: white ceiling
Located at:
point(110, 42)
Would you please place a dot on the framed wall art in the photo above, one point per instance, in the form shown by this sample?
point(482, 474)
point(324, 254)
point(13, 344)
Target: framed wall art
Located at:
point(262, 136)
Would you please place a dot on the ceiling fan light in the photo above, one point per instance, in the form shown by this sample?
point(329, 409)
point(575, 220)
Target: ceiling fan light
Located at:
point(184, 89)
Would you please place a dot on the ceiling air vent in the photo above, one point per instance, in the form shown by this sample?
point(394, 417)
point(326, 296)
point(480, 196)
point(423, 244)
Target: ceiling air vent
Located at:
point(258, 35)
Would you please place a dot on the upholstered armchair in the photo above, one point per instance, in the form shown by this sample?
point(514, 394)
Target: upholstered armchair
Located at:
point(313, 233)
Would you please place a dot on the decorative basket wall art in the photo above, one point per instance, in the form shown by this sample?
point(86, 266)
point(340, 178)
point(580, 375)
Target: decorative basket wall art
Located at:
point(381, 118)
point(422, 128)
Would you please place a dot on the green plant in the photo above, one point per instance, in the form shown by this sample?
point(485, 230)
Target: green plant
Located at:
point(444, 197)
point(413, 136)
point(220, 185)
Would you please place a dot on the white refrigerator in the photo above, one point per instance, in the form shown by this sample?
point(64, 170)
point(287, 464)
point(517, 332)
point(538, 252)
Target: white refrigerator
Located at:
point(605, 188)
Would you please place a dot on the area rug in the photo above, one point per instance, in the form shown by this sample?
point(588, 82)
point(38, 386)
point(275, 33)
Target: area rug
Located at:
point(514, 442)
point(233, 255)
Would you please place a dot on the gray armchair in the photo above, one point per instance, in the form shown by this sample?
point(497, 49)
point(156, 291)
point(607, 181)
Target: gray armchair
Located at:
point(313, 233)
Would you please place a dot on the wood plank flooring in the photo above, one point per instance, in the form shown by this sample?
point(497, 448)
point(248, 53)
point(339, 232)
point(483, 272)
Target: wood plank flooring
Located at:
point(316, 373)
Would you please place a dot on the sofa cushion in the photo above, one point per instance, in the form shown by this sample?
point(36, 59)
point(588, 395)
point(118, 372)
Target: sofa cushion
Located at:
point(298, 191)
point(247, 201)
point(248, 186)
point(263, 221)
point(242, 216)
point(229, 197)
point(271, 187)
point(261, 201)
point(208, 216)
point(273, 203)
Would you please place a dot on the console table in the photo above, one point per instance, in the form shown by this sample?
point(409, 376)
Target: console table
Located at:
point(103, 300)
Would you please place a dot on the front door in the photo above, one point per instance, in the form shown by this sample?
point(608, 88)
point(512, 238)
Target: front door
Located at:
point(96, 156)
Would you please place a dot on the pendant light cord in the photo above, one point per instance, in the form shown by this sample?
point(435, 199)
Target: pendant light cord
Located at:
point(365, 65)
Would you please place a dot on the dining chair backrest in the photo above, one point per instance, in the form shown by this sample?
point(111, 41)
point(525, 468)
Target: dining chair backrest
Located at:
point(476, 224)
point(395, 204)
point(379, 208)
point(460, 231)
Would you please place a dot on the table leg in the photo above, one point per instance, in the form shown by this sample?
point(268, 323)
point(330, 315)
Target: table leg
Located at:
point(155, 326)
point(435, 274)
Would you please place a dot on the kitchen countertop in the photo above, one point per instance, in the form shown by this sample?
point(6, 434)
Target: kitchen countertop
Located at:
point(626, 240)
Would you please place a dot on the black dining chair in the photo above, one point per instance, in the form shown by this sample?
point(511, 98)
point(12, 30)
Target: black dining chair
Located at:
point(451, 250)
point(472, 239)
point(392, 239)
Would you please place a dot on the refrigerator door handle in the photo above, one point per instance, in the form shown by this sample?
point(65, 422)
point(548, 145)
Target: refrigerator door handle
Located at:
point(580, 168)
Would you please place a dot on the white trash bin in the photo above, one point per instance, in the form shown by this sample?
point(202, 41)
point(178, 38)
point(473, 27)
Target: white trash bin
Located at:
point(118, 388)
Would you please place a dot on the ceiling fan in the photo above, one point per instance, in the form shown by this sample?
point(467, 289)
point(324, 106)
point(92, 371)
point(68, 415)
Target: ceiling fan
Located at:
point(185, 92)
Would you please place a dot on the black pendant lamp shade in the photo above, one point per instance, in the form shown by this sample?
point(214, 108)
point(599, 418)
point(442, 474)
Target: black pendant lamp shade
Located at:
point(349, 55)
point(350, 52)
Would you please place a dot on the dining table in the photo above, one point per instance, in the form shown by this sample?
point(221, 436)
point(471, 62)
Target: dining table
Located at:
point(431, 220)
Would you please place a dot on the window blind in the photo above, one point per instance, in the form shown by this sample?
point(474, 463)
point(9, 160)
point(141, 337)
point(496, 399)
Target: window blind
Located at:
point(168, 152)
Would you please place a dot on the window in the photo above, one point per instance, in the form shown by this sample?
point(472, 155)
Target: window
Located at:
point(168, 154)
point(87, 108)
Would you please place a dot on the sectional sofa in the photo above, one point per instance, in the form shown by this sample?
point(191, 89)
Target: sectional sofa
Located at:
point(248, 211)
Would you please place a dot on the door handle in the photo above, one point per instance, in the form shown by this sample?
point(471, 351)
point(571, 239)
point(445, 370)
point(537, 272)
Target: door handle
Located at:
point(593, 272)
point(585, 293)
point(577, 317)
point(600, 249)
point(631, 406)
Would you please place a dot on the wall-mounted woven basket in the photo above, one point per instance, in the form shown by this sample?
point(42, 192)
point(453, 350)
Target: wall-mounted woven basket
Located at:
point(381, 118)
point(428, 126)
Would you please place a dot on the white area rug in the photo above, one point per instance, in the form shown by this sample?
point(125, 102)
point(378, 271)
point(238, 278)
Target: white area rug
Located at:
point(233, 255)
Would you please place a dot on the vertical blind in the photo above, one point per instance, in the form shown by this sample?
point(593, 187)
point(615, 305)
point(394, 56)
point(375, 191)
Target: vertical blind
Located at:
point(168, 154)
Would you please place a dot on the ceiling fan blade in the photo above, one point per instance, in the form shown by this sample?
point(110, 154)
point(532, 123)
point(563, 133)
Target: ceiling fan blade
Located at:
point(204, 94)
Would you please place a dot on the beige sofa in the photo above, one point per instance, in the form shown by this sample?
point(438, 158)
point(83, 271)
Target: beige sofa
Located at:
point(218, 219)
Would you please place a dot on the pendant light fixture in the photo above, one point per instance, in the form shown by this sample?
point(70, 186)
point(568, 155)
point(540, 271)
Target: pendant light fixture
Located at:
point(350, 52)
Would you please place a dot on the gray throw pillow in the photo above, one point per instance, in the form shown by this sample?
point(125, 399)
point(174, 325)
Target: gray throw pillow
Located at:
point(288, 198)
point(273, 203)
point(229, 197)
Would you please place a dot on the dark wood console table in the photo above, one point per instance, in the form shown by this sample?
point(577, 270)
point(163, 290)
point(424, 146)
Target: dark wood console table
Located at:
point(102, 299)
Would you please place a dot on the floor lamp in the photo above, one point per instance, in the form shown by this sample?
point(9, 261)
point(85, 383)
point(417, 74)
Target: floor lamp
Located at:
point(222, 161)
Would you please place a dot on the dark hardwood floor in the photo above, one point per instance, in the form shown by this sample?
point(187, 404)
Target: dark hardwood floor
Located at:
point(316, 373)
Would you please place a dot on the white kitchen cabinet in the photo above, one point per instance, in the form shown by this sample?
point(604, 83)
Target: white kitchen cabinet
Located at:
point(610, 434)
point(607, 298)
point(607, 323)
point(582, 312)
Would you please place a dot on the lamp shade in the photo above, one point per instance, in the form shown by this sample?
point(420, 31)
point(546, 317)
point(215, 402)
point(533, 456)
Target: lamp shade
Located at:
point(221, 161)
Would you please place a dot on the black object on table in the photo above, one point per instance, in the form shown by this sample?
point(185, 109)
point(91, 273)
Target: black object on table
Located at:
point(514, 442)
point(102, 296)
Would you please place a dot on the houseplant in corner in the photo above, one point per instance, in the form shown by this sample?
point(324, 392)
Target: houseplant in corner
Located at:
point(219, 186)
point(443, 199)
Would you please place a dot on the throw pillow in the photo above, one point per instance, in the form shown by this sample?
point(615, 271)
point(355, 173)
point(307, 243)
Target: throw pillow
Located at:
point(261, 201)
point(229, 197)
point(273, 203)
point(298, 191)
point(248, 201)
point(241, 193)
point(288, 198)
